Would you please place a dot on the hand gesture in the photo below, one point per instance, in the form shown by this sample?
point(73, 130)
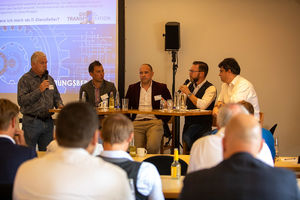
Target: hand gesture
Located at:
point(19, 137)
point(44, 85)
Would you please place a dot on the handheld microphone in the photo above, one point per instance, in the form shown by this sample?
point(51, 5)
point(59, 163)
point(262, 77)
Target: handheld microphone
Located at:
point(187, 82)
point(46, 75)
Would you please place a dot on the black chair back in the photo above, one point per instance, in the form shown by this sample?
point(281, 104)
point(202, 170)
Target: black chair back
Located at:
point(272, 130)
point(6, 191)
point(163, 164)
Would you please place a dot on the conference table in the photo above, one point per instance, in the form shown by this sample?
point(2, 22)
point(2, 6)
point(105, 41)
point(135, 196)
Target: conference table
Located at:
point(176, 113)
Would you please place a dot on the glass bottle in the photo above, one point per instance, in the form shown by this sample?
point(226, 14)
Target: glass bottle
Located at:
point(117, 104)
point(175, 167)
point(276, 144)
point(111, 101)
point(83, 96)
point(132, 148)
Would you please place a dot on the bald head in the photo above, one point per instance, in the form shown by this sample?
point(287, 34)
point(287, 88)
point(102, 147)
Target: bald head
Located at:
point(228, 111)
point(242, 134)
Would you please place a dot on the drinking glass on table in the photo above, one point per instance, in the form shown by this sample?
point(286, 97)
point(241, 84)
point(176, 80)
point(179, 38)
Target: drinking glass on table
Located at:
point(276, 144)
point(169, 105)
point(125, 104)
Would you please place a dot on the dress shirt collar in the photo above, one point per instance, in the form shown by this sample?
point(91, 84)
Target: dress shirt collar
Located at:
point(116, 154)
point(200, 85)
point(8, 137)
point(221, 132)
point(150, 87)
point(68, 150)
point(101, 85)
point(197, 87)
point(235, 80)
point(33, 73)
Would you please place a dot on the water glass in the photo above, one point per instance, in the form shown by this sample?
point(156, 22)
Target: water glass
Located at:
point(169, 105)
point(125, 104)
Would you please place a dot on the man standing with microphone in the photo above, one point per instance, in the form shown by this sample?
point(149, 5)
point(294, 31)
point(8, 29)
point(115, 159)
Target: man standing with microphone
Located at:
point(37, 93)
point(200, 94)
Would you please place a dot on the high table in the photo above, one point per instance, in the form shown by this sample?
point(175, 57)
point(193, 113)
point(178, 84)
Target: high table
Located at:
point(290, 163)
point(185, 158)
point(175, 113)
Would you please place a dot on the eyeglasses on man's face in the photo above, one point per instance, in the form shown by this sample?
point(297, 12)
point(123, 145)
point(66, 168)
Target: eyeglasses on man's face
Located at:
point(192, 71)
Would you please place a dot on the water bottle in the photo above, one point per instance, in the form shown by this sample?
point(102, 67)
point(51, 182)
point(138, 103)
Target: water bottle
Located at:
point(83, 96)
point(111, 101)
point(117, 104)
point(177, 101)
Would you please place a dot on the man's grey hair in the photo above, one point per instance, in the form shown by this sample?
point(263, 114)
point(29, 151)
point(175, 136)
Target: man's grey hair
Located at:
point(227, 111)
point(36, 55)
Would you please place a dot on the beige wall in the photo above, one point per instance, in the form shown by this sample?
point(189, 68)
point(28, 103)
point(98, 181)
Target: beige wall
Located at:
point(263, 35)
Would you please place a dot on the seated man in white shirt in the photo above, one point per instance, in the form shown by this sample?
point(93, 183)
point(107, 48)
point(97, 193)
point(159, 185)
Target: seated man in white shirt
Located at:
point(71, 172)
point(207, 152)
point(235, 88)
point(116, 133)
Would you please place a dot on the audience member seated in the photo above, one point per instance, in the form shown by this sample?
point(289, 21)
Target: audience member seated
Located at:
point(13, 150)
point(71, 172)
point(116, 133)
point(266, 134)
point(52, 146)
point(240, 175)
point(207, 152)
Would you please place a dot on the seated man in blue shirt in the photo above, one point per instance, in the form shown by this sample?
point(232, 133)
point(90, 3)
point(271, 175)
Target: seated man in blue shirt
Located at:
point(117, 133)
point(266, 134)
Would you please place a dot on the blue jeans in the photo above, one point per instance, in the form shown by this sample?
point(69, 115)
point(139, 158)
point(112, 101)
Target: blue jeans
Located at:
point(192, 132)
point(37, 131)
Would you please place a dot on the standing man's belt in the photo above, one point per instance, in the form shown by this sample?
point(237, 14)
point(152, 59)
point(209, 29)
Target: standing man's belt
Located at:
point(40, 118)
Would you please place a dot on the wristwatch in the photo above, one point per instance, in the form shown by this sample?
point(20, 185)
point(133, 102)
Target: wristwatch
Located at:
point(189, 94)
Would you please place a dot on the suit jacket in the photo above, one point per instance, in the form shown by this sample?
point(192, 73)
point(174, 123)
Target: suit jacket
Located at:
point(105, 88)
point(11, 157)
point(133, 94)
point(241, 177)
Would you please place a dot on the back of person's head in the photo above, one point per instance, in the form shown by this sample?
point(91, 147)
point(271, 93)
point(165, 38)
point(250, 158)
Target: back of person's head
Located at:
point(232, 64)
point(76, 125)
point(242, 134)
point(248, 106)
point(8, 110)
point(93, 64)
point(203, 67)
point(227, 111)
point(116, 128)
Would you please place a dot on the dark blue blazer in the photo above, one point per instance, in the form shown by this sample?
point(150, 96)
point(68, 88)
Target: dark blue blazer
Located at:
point(241, 177)
point(11, 157)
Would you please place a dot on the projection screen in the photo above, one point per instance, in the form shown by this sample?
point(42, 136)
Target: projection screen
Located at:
point(72, 33)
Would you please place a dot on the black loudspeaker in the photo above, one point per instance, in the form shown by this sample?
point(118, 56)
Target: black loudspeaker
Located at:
point(172, 36)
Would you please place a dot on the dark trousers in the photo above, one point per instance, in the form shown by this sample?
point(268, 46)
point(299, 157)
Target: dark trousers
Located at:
point(191, 132)
point(37, 132)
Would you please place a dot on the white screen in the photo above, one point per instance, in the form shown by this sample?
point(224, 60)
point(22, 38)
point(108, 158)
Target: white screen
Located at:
point(72, 34)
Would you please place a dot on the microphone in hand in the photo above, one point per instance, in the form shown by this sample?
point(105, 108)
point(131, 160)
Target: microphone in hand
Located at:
point(187, 82)
point(46, 75)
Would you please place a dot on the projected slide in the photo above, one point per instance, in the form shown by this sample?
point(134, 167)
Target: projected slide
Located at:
point(71, 33)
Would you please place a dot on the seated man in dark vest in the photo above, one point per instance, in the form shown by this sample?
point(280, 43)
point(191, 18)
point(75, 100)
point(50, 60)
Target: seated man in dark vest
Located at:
point(116, 133)
point(200, 94)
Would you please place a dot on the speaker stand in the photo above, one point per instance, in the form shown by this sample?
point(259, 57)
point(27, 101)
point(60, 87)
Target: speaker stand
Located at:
point(175, 66)
point(177, 118)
